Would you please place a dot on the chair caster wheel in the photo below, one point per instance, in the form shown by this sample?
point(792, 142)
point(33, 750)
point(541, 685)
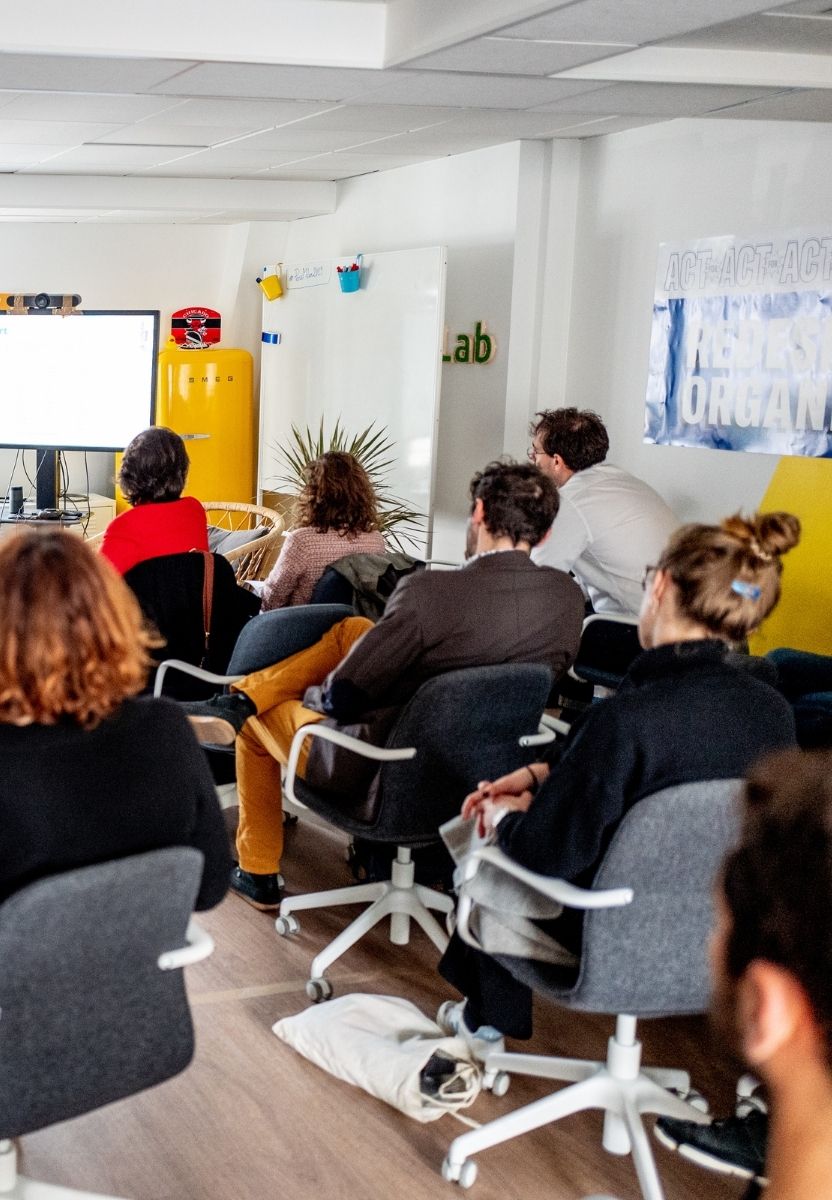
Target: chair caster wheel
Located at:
point(287, 925)
point(496, 1082)
point(750, 1096)
point(319, 990)
point(443, 1017)
point(464, 1173)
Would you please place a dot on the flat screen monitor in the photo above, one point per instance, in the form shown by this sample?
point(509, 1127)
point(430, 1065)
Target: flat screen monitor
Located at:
point(81, 382)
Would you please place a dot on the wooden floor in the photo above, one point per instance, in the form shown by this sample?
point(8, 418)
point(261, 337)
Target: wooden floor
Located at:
point(251, 1120)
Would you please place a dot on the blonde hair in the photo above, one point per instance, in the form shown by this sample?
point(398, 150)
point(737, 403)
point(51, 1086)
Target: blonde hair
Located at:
point(73, 644)
point(727, 576)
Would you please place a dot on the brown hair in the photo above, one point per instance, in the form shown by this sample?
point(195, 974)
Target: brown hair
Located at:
point(154, 467)
point(579, 436)
point(337, 494)
point(728, 576)
point(518, 500)
point(72, 640)
point(777, 883)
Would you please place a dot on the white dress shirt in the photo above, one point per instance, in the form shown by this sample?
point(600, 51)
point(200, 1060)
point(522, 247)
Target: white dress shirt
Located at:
point(609, 527)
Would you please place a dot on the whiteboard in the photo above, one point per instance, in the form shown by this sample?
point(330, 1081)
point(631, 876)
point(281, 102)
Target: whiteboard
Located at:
point(371, 355)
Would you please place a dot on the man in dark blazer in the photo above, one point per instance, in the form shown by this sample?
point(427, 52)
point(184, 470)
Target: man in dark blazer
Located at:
point(498, 608)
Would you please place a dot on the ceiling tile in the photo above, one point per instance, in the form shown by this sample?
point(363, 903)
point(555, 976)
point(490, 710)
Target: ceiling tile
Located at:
point(50, 73)
point(151, 134)
point(513, 56)
point(259, 114)
point(781, 34)
point(656, 99)
point(505, 123)
point(45, 132)
point(255, 80)
point(587, 127)
point(634, 21)
point(814, 105)
point(433, 143)
point(473, 91)
point(383, 118)
point(18, 155)
point(76, 106)
point(120, 157)
point(300, 137)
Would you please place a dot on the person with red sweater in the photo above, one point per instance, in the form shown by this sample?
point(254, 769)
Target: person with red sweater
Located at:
point(162, 520)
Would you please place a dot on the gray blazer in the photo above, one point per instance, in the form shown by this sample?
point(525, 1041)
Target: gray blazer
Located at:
point(498, 608)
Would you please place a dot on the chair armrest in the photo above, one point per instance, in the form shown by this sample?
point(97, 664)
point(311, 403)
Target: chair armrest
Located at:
point(556, 724)
point(554, 889)
point(177, 664)
point(377, 753)
point(199, 945)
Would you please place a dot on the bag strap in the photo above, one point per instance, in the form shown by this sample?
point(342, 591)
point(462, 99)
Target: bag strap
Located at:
point(207, 595)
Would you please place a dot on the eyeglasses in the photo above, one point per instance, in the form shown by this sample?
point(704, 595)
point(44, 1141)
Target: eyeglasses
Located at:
point(533, 453)
point(645, 579)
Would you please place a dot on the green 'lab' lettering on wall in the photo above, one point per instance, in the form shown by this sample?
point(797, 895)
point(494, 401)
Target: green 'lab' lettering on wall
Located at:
point(481, 348)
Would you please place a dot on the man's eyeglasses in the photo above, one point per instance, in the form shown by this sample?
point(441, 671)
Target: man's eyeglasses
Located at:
point(533, 453)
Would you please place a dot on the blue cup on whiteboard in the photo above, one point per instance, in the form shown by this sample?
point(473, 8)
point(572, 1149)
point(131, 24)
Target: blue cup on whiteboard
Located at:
point(349, 278)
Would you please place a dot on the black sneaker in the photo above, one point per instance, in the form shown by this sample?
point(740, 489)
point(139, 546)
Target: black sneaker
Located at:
point(216, 722)
point(261, 891)
point(733, 1146)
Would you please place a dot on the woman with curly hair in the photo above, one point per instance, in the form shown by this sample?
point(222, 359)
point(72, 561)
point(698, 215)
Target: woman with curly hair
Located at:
point(337, 515)
point(162, 521)
point(89, 772)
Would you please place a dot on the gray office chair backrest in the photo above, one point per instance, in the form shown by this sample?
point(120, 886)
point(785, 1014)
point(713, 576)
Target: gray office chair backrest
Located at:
point(276, 635)
point(649, 958)
point(86, 1015)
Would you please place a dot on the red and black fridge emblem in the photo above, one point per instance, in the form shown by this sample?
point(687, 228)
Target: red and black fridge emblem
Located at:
point(195, 328)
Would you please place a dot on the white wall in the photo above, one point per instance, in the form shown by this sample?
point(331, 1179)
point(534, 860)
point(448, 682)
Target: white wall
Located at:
point(468, 203)
point(673, 182)
point(141, 266)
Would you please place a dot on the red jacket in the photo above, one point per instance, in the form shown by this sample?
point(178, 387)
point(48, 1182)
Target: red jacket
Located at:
point(150, 530)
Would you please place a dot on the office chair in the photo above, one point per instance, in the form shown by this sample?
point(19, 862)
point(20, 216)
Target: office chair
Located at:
point(644, 954)
point(92, 997)
point(609, 645)
point(169, 589)
point(459, 728)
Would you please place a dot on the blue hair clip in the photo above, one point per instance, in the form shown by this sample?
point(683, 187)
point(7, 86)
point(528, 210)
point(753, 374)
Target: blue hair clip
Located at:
point(749, 590)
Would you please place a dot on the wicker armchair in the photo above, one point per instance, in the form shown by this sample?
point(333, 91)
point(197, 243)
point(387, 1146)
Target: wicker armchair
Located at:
point(254, 559)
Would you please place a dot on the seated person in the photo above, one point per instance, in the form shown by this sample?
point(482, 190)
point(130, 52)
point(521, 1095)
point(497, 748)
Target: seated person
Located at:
point(162, 520)
point(336, 515)
point(806, 681)
point(89, 773)
point(610, 524)
point(498, 608)
point(685, 712)
point(772, 958)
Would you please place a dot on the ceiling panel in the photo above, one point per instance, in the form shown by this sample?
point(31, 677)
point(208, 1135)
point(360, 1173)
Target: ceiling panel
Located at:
point(254, 80)
point(14, 156)
point(813, 105)
point(298, 137)
point(382, 118)
point(78, 106)
point(656, 99)
point(635, 21)
point(50, 73)
point(151, 134)
point(513, 56)
point(258, 114)
point(43, 132)
point(472, 91)
point(118, 157)
point(783, 34)
point(499, 122)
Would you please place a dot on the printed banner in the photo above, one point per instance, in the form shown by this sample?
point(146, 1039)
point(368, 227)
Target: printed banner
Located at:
point(741, 346)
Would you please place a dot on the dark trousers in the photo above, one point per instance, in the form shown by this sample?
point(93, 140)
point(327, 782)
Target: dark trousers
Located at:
point(494, 996)
point(806, 681)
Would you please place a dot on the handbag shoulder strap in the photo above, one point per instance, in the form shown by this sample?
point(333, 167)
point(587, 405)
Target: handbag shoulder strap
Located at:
point(207, 593)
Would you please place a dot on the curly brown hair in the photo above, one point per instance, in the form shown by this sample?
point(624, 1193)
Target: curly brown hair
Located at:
point(73, 644)
point(338, 495)
point(728, 575)
point(579, 436)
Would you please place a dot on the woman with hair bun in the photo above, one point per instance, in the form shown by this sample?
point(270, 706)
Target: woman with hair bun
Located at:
point(153, 473)
point(88, 771)
point(689, 709)
point(336, 516)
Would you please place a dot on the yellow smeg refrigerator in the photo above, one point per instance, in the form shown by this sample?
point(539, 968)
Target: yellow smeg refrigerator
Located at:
point(206, 396)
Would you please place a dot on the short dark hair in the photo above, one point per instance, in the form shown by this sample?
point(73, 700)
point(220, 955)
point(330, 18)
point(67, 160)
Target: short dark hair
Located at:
point(154, 467)
point(579, 436)
point(518, 500)
point(777, 883)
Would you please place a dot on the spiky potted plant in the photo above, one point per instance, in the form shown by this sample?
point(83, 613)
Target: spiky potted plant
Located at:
point(401, 526)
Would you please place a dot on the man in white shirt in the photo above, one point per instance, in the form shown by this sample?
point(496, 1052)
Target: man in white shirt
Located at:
point(610, 525)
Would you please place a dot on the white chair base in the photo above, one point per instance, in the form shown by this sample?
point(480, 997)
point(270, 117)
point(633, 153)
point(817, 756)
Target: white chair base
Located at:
point(620, 1086)
point(15, 1187)
point(400, 898)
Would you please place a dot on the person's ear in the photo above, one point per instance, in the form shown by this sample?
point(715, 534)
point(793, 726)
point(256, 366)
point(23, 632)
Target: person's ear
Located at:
point(771, 1009)
point(658, 587)
point(478, 512)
